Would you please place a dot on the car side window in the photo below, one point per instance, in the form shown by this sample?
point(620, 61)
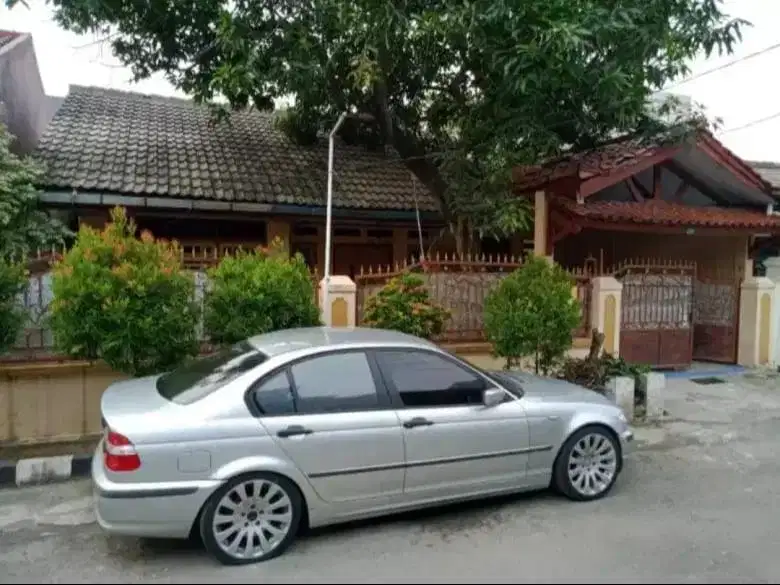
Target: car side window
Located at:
point(338, 382)
point(275, 396)
point(424, 379)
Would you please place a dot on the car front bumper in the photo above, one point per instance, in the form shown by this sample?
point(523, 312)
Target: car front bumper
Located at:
point(158, 510)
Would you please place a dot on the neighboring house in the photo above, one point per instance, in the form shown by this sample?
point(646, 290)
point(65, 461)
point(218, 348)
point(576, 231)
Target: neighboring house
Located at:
point(25, 109)
point(682, 224)
point(770, 247)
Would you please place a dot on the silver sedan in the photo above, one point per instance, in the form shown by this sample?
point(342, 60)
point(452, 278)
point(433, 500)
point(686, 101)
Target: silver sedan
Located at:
point(308, 427)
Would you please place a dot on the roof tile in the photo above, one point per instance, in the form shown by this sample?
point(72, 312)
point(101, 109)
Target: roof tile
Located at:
point(665, 213)
point(123, 142)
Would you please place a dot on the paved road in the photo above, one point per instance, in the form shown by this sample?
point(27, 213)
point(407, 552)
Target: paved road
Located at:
point(698, 503)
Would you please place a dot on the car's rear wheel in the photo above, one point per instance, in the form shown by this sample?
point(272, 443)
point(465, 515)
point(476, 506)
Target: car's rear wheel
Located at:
point(251, 518)
point(588, 464)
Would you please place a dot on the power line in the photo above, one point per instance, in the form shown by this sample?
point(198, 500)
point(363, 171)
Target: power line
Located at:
point(724, 66)
point(751, 124)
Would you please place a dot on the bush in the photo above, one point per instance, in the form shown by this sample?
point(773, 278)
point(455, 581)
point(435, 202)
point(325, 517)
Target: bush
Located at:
point(532, 313)
point(125, 300)
point(404, 304)
point(257, 292)
point(13, 281)
point(597, 368)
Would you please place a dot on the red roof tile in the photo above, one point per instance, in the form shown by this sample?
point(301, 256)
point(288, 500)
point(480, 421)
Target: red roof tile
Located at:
point(586, 164)
point(664, 213)
point(618, 155)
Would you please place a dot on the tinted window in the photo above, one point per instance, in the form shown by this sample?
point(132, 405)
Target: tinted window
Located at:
point(200, 377)
point(425, 379)
point(275, 395)
point(333, 383)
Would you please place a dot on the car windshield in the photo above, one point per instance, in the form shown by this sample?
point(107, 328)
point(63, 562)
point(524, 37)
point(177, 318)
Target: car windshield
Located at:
point(200, 377)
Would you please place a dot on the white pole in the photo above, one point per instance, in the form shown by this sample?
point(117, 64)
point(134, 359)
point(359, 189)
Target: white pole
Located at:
point(328, 218)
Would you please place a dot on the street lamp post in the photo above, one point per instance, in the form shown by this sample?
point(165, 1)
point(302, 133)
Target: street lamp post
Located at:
point(329, 207)
point(329, 215)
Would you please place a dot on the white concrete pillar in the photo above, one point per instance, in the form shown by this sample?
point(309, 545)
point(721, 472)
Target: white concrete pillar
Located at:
point(757, 327)
point(605, 311)
point(342, 302)
point(772, 266)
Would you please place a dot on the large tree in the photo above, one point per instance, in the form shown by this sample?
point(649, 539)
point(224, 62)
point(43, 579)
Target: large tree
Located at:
point(461, 89)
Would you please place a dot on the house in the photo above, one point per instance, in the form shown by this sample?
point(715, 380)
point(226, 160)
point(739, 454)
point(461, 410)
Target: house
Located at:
point(25, 109)
point(679, 223)
point(215, 187)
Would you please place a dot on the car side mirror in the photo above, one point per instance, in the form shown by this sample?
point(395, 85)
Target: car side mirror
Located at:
point(492, 397)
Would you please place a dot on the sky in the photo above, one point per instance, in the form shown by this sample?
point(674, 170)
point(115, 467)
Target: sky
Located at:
point(741, 95)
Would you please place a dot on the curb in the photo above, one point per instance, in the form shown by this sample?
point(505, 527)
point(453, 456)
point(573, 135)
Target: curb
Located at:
point(41, 470)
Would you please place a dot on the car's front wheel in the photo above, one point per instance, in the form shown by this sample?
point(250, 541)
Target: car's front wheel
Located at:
point(588, 464)
point(251, 518)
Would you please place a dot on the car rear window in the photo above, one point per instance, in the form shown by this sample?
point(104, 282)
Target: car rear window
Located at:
point(202, 376)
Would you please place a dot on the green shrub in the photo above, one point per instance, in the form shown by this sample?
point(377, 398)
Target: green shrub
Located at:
point(404, 304)
point(532, 313)
point(594, 373)
point(257, 292)
point(13, 280)
point(124, 300)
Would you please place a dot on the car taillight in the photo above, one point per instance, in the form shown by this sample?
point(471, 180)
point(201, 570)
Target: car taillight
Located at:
point(119, 452)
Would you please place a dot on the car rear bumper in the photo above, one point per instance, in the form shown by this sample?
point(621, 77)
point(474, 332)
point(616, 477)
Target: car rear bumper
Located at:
point(150, 510)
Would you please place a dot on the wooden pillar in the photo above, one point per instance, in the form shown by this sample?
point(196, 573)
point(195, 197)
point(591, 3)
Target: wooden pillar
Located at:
point(279, 228)
point(400, 242)
point(542, 226)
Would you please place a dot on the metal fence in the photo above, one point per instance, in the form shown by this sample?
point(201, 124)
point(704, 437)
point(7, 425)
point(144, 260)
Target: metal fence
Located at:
point(461, 285)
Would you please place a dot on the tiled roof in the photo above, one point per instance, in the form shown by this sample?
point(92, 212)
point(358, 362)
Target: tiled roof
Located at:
point(665, 213)
point(620, 154)
point(128, 143)
point(6, 37)
point(770, 171)
point(589, 163)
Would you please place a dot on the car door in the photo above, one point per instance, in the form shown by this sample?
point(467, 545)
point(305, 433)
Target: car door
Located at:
point(336, 423)
point(454, 443)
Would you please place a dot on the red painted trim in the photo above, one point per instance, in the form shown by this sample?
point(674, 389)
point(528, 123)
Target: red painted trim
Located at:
point(667, 229)
point(713, 148)
point(599, 183)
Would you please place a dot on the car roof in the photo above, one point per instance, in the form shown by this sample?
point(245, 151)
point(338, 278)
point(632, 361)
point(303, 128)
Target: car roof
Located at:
point(287, 340)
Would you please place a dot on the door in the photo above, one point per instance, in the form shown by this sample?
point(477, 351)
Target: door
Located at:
point(348, 259)
point(328, 415)
point(716, 320)
point(454, 444)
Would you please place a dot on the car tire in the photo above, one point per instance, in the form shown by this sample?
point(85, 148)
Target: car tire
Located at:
point(272, 502)
point(588, 464)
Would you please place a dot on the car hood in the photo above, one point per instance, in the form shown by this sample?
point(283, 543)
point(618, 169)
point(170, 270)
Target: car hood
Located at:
point(539, 389)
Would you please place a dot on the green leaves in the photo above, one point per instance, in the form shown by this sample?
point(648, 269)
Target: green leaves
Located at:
point(24, 226)
point(124, 300)
point(462, 89)
point(404, 304)
point(13, 280)
point(257, 292)
point(532, 313)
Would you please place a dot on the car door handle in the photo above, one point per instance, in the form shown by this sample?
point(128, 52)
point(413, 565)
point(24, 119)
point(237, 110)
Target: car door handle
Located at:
point(418, 421)
point(294, 430)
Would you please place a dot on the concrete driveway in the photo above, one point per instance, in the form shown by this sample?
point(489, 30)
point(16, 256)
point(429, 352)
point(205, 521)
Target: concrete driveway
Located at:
point(697, 503)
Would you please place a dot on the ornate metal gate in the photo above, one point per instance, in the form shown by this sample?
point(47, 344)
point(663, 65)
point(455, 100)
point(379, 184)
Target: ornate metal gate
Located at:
point(716, 319)
point(657, 306)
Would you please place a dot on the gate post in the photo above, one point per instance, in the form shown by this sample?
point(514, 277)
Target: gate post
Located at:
point(757, 327)
point(605, 311)
point(342, 298)
point(772, 266)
